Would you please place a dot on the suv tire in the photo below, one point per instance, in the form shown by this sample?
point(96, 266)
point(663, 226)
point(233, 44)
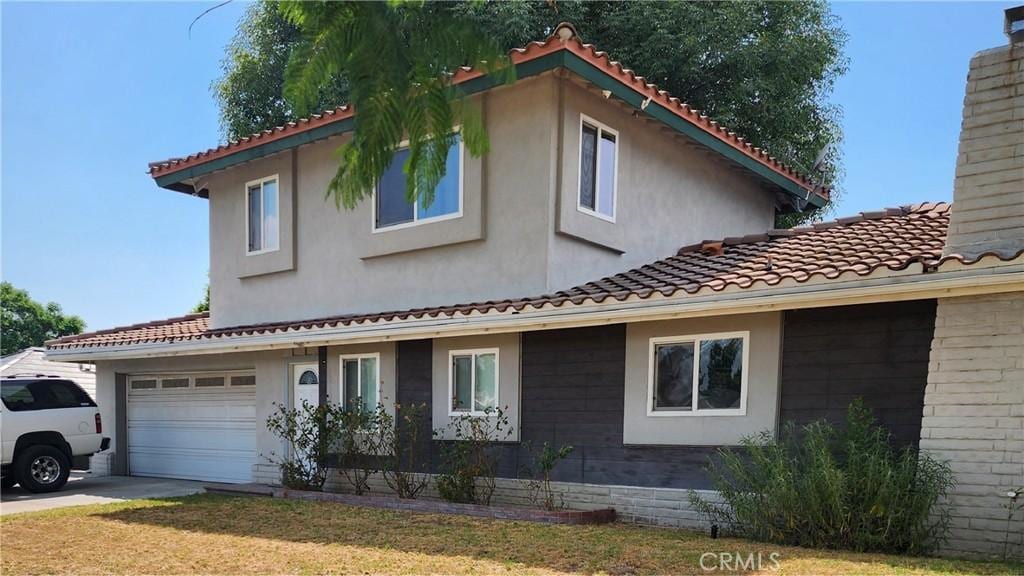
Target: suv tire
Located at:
point(42, 468)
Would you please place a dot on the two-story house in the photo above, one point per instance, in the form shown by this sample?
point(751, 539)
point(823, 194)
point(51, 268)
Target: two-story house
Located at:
point(566, 276)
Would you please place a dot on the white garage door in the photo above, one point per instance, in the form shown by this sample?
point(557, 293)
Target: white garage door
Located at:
point(193, 426)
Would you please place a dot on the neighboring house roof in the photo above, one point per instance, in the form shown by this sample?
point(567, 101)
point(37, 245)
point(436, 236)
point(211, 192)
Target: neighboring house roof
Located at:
point(562, 49)
point(32, 362)
point(890, 240)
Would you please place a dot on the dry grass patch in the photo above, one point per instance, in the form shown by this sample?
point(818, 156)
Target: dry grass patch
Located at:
point(224, 535)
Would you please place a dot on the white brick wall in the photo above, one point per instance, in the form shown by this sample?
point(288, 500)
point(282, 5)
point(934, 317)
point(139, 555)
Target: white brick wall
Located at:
point(650, 506)
point(988, 198)
point(974, 416)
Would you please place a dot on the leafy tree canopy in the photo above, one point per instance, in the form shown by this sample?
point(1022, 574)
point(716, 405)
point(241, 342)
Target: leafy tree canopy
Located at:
point(25, 323)
point(764, 69)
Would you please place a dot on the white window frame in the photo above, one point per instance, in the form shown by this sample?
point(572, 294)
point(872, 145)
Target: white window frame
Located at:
point(416, 220)
point(263, 235)
point(474, 352)
point(696, 339)
point(601, 127)
point(341, 376)
point(191, 376)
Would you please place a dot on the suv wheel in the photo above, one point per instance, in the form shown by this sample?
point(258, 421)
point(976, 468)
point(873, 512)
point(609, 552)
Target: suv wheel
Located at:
point(42, 468)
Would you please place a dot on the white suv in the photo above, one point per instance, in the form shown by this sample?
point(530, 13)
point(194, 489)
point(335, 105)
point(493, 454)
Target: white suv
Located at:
point(44, 423)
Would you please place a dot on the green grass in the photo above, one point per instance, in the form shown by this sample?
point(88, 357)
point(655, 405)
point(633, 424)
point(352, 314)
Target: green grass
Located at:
point(224, 535)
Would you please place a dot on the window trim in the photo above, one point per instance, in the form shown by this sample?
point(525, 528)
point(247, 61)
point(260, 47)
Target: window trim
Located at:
point(601, 127)
point(190, 376)
point(696, 339)
point(474, 352)
point(341, 375)
point(403, 145)
point(245, 207)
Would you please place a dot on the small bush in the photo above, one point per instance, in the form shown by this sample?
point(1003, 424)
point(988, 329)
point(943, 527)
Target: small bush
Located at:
point(309, 433)
point(544, 462)
point(468, 463)
point(357, 444)
point(396, 443)
point(827, 487)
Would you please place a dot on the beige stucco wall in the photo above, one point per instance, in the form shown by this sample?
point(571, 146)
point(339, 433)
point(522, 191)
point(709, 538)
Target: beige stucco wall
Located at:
point(762, 400)
point(495, 250)
point(520, 233)
point(669, 195)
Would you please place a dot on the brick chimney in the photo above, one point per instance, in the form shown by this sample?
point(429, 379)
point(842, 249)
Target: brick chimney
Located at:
point(988, 193)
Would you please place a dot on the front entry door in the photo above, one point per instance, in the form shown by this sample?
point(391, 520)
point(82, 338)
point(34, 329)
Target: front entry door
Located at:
point(305, 384)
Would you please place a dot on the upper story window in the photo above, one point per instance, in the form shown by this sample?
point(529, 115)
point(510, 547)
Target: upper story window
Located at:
point(704, 374)
point(360, 381)
point(473, 381)
point(599, 167)
point(262, 215)
point(392, 208)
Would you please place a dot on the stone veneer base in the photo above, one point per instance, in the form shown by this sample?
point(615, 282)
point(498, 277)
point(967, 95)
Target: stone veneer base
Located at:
point(598, 516)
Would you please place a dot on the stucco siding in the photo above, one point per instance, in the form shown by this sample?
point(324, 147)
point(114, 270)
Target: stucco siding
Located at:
point(497, 248)
point(669, 194)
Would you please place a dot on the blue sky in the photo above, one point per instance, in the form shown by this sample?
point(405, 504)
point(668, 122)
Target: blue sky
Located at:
point(92, 92)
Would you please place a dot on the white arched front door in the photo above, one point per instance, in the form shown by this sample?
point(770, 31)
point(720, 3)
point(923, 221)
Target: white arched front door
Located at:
point(305, 384)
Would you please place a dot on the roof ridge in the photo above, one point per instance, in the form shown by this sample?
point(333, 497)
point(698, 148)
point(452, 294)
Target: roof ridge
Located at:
point(932, 209)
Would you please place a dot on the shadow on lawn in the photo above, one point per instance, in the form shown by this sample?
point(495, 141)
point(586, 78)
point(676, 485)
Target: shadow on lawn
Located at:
point(615, 548)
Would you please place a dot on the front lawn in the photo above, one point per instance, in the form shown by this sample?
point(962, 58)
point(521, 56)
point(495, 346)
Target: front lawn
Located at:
point(207, 534)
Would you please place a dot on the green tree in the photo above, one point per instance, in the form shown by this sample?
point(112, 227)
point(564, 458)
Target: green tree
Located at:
point(401, 57)
point(25, 322)
point(251, 90)
point(764, 69)
point(204, 304)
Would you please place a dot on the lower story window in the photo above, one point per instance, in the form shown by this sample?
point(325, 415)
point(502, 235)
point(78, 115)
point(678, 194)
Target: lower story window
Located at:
point(360, 382)
point(473, 381)
point(698, 374)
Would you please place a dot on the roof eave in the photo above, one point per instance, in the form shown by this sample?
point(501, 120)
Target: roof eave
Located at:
point(884, 285)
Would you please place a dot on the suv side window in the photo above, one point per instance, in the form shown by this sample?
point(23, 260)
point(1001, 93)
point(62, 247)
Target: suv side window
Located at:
point(17, 396)
point(44, 395)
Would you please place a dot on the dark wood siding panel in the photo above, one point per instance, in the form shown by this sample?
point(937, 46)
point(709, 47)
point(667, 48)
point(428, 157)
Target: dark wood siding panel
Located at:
point(413, 371)
point(878, 352)
point(573, 386)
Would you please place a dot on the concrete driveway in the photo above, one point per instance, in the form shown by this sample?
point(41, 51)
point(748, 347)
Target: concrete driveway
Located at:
point(86, 489)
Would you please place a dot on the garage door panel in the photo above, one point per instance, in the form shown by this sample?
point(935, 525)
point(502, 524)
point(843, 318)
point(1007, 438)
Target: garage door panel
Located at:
point(193, 433)
point(197, 465)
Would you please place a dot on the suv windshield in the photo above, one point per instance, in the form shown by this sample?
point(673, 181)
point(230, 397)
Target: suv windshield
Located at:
point(19, 395)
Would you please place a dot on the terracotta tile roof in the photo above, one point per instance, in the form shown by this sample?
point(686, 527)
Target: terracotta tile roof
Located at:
point(890, 239)
point(559, 40)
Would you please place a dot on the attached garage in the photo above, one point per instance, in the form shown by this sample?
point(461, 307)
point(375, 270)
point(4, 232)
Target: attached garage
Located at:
point(192, 426)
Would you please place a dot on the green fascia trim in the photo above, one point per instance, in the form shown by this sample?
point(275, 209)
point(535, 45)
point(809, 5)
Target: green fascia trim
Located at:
point(561, 58)
point(623, 92)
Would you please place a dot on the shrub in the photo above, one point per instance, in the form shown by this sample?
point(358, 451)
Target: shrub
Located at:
point(396, 442)
point(468, 462)
point(309, 433)
point(357, 444)
point(827, 487)
point(544, 462)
